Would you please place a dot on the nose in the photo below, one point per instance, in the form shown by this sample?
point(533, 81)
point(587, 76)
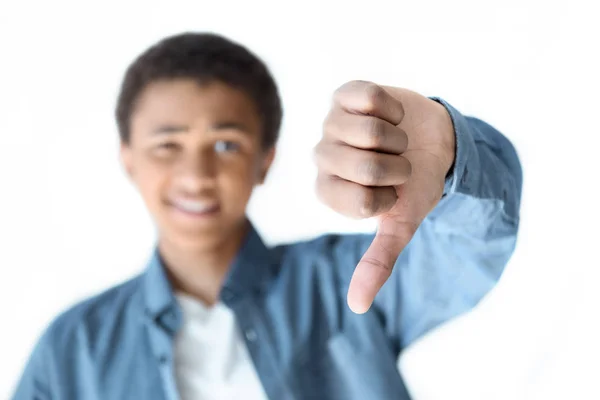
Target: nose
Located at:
point(197, 172)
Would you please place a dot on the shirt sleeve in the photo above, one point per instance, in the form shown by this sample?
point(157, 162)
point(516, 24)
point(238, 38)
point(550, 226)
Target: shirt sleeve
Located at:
point(33, 383)
point(460, 250)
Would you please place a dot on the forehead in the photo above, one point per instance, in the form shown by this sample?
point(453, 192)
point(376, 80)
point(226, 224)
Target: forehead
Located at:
point(186, 101)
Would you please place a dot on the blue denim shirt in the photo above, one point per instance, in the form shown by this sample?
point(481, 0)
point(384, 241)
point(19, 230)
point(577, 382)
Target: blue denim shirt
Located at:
point(290, 300)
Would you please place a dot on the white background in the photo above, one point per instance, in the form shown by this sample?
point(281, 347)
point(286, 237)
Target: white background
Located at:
point(71, 225)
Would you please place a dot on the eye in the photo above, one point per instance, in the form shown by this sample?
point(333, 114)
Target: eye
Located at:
point(224, 146)
point(166, 148)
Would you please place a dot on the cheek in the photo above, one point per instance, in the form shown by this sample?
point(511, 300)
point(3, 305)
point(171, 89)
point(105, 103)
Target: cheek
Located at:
point(150, 179)
point(238, 180)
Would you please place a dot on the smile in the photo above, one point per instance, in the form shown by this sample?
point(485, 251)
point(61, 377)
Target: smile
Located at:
point(195, 208)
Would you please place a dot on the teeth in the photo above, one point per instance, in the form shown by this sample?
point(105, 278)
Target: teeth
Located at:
point(196, 207)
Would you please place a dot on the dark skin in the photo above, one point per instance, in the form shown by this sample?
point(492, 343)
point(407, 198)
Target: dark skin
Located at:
point(195, 154)
point(385, 153)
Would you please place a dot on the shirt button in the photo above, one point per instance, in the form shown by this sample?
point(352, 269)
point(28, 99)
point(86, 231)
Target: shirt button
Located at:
point(251, 335)
point(162, 359)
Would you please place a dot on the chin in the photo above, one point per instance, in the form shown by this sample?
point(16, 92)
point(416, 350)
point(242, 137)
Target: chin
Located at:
point(203, 236)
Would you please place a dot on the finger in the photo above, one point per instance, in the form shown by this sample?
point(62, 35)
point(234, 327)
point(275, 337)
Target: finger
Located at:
point(369, 99)
point(416, 199)
point(364, 132)
point(364, 167)
point(377, 263)
point(354, 200)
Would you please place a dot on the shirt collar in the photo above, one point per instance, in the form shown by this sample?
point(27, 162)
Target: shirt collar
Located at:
point(251, 271)
point(158, 291)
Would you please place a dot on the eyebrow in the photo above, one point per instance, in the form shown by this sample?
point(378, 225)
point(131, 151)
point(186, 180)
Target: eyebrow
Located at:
point(220, 126)
point(169, 129)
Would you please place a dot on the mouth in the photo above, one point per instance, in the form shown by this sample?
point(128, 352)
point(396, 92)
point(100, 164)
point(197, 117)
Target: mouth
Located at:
point(195, 208)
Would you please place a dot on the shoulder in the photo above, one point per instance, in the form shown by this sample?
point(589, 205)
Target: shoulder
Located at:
point(93, 316)
point(76, 336)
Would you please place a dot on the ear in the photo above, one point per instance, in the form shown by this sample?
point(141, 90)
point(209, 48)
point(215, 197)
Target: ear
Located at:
point(126, 159)
point(267, 161)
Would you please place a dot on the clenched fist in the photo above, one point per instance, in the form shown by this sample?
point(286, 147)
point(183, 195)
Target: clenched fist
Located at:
point(385, 153)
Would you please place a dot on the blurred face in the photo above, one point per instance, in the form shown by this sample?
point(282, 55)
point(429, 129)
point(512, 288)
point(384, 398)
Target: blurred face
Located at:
point(195, 155)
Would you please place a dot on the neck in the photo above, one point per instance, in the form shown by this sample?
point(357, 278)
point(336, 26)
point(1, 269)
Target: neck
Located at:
point(200, 271)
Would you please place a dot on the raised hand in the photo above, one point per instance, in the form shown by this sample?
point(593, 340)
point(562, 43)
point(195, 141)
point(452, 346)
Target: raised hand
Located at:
point(385, 153)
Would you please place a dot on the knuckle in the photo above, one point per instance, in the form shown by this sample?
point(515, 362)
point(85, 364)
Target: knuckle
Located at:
point(375, 132)
point(315, 155)
point(327, 189)
point(319, 153)
point(337, 93)
point(379, 264)
point(328, 123)
point(340, 93)
point(372, 171)
point(321, 186)
point(332, 123)
point(375, 95)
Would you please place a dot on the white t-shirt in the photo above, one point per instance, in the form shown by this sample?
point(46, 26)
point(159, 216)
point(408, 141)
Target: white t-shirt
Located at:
point(211, 358)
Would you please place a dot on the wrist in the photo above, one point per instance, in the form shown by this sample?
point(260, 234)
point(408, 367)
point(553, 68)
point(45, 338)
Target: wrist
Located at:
point(447, 137)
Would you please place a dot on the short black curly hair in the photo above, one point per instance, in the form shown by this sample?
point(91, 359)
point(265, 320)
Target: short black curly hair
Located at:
point(205, 58)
